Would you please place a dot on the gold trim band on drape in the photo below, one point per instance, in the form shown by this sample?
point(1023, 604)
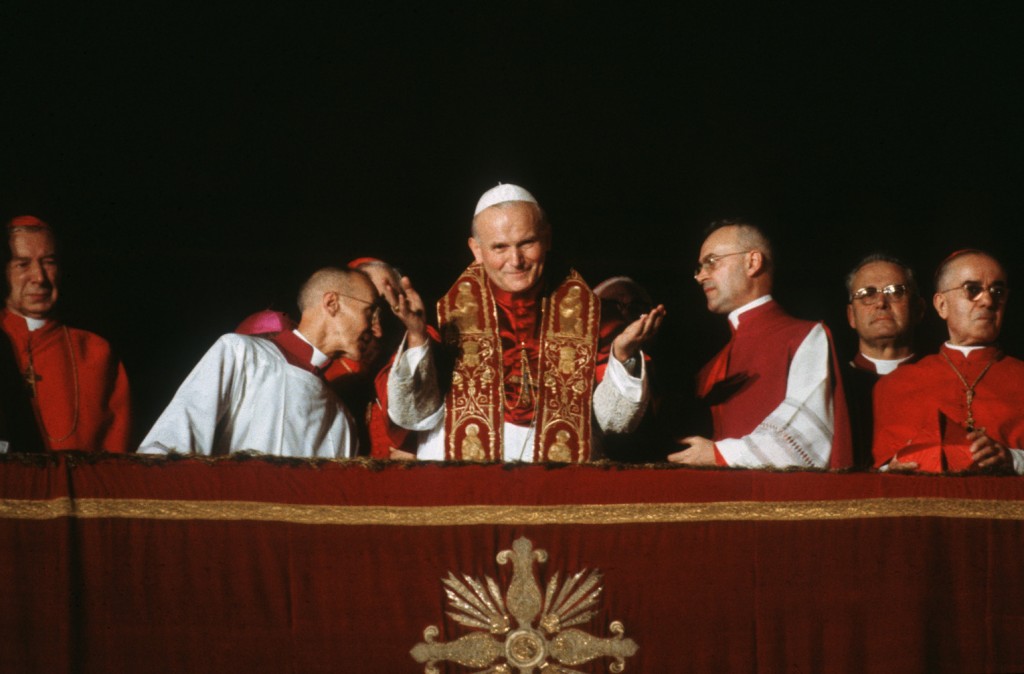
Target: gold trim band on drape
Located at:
point(468, 515)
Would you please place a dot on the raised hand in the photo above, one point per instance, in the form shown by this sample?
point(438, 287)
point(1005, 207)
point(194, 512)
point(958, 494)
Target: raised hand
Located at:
point(406, 303)
point(638, 333)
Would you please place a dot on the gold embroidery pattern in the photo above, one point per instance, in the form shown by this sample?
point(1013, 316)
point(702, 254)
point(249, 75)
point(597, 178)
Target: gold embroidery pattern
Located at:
point(472, 448)
point(466, 309)
point(541, 640)
point(473, 515)
point(468, 318)
point(567, 364)
point(475, 401)
point(24, 509)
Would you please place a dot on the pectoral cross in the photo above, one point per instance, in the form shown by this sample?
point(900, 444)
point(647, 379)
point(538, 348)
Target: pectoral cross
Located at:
point(31, 378)
point(525, 397)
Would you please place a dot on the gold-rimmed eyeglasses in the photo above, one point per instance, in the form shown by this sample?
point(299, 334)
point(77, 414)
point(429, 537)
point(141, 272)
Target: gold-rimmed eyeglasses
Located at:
point(710, 262)
point(868, 295)
point(973, 290)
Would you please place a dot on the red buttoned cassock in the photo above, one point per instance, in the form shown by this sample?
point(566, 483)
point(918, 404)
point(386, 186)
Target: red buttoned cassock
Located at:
point(921, 409)
point(81, 397)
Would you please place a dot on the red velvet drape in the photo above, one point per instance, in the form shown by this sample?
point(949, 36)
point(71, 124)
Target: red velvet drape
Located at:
point(127, 565)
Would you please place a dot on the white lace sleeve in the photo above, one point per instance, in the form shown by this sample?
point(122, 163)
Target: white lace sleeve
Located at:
point(620, 398)
point(799, 431)
point(414, 399)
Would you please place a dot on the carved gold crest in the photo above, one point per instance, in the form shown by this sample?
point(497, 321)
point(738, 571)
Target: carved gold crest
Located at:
point(541, 639)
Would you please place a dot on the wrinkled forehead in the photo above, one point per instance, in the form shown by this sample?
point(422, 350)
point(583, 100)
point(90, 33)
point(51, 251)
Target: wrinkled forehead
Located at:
point(32, 243)
point(724, 240)
point(973, 267)
point(510, 219)
point(879, 275)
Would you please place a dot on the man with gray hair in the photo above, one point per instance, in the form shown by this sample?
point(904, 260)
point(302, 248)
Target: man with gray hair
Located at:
point(961, 409)
point(523, 337)
point(883, 308)
point(77, 386)
point(775, 392)
point(268, 395)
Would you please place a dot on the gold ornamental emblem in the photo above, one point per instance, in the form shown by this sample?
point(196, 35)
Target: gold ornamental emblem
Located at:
point(542, 638)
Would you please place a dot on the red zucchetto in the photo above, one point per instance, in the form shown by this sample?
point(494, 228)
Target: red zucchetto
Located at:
point(25, 221)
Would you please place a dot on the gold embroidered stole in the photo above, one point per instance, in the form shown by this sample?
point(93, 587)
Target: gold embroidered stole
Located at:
point(475, 403)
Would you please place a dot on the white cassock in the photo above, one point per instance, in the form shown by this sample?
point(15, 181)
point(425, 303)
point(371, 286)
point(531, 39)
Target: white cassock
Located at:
point(416, 403)
point(244, 395)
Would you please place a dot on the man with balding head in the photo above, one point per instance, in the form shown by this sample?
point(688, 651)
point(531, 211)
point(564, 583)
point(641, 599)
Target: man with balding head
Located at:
point(524, 338)
point(963, 408)
point(359, 382)
point(268, 395)
point(775, 395)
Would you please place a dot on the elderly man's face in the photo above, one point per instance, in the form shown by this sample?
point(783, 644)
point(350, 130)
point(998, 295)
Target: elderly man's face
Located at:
point(882, 317)
point(32, 273)
point(974, 322)
point(722, 275)
point(511, 244)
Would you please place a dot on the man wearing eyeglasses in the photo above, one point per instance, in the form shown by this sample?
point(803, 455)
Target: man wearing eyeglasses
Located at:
point(269, 395)
point(963, 408)
point(775, 392)
point(884, 307)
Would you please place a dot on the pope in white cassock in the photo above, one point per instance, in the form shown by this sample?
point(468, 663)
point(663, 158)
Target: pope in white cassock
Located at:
point(531, 377)
point(268, 395)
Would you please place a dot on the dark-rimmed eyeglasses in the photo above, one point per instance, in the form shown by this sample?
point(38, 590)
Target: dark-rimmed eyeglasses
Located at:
point(973, 290)
point(710, 262)
point(868, 295)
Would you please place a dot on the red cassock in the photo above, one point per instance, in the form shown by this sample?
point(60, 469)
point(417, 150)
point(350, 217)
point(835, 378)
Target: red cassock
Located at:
point(384, 434)
point(920, 409)
point(749, 387)
point(519, 323)
point(81, 397)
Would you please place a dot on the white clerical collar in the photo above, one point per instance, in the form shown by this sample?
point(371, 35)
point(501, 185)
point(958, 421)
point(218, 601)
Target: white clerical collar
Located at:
point(886, 365)
point(964, 349)
point(319, 358)
point(32, 323)
point(734, 315)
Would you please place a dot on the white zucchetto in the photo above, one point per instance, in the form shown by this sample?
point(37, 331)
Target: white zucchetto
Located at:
point(501, 194)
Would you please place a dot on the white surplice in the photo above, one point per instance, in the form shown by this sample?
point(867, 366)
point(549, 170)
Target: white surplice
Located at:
point(244, 395)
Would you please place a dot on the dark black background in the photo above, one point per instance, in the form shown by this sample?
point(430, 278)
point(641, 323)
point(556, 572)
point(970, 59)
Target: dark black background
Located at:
point(200, 160)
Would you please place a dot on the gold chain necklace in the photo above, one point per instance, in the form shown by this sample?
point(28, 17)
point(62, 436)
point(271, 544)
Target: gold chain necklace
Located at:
point(968, 388)
point(31, 378)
